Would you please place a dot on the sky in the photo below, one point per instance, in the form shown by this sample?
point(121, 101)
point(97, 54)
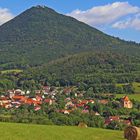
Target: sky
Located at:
point(117, 18)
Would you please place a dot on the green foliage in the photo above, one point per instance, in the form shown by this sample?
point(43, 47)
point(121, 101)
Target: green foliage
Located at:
point(91, 70)
point(116, 125)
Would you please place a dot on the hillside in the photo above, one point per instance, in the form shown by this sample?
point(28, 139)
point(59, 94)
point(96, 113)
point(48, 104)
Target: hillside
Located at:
point(37, 132)
point(40, 35)
point(92, 68)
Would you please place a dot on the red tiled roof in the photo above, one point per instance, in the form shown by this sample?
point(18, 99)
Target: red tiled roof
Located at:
point(47, 100)
point(3, 98)
point(18, 97)
point(114, 118)
point(90, 101)
point(79, 105)
point(126, 98)
point(103, 101)
point(84, 101)
point(31, 101)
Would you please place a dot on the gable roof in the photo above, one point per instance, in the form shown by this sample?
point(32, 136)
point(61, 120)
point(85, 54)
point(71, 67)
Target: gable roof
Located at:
point(126, 98)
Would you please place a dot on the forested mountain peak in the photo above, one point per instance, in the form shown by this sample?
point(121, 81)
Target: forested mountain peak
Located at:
point(40, 35)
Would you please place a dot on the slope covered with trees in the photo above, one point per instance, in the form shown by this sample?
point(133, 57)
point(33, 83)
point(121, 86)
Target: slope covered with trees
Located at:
point(103, 71)
point(92, 68)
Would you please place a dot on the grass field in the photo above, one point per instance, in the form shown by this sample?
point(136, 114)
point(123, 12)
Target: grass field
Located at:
point(135, 96)
point(13, 131)
point(136, 86)
point(131, 96)
point(10, 71)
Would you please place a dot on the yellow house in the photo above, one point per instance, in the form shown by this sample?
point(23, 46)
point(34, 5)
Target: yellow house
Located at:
point(126, 102)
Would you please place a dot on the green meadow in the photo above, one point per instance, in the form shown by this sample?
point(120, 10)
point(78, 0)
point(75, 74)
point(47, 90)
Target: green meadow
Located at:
point(11, 71)
point(13, 131)
point(131, 96)
point(136, 86)
point(135, 96)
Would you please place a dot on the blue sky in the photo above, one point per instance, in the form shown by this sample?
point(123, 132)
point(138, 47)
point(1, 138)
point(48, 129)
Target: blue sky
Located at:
point(118, 18)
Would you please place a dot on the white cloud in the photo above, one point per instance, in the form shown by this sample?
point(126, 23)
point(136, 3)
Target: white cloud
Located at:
point(133, 22)
point(107, 14)
point(5, 15)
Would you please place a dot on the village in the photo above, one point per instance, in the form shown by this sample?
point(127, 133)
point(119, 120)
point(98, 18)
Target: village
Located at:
point(73, 100)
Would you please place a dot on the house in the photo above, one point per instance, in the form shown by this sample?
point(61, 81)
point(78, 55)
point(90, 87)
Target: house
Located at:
point(85, 111)
point(7, 106)
point(49, 101)
point(84, 102)
point(127, 122)
point(69, 105)
point(65, 111)
point(31, 101)
point(104, 102)
point(19, 92)
point(75, 94)
point(91, 101)
point(19, 98)
point(112, 118)
point(38, 91)
point(11, 93)
point(126, 103)
point(5, 102)
point(38, 97)
point(46, 89)
point(16, 103)
point(80, 105)
point(97, 114)
point(67, 91)
point(36, 108)
point(27, 92)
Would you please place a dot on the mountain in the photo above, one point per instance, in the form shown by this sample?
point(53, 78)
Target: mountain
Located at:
point(40, 35)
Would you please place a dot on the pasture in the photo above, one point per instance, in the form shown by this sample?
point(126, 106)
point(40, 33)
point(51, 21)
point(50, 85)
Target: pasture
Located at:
point(131, 96)
point(11, 71)
point(13, 131)
point(135, 96)
point(135, 85)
